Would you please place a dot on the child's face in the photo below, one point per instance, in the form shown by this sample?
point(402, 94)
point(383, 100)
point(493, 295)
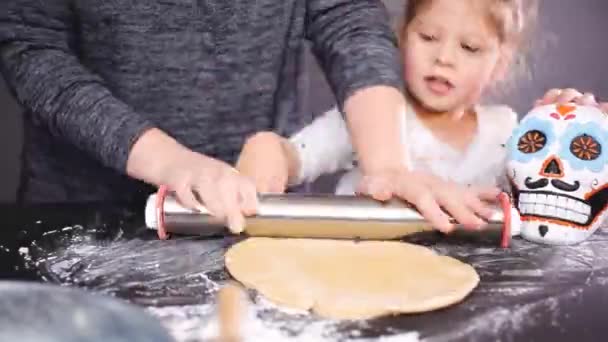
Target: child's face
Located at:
point(451, 54)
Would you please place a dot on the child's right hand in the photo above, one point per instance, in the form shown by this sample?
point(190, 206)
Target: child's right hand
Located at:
point(429, 194)
point(265, 159)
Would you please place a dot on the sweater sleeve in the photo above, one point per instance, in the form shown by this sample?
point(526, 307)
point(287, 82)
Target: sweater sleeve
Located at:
point(42, 70)
point(323, 147)
point(355, 45)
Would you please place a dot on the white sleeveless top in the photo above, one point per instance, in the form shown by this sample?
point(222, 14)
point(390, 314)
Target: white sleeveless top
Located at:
point(324, 147)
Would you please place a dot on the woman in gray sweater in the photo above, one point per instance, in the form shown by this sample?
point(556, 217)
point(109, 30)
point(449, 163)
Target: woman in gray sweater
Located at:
point(121, 95)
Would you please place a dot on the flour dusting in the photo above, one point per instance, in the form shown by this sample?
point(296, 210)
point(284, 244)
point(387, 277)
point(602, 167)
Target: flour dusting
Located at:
point(177, 281)
point(198, 323)
point(265, 322)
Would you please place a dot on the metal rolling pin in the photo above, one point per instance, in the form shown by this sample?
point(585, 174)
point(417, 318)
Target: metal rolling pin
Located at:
point(313, 216)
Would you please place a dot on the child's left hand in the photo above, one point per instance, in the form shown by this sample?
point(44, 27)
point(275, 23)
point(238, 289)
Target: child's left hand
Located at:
point(570, 95)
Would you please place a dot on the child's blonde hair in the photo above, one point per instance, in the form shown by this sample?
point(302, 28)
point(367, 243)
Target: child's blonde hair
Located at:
point(513, 21)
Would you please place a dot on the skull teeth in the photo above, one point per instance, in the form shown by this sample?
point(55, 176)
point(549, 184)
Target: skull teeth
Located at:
point(561, 207)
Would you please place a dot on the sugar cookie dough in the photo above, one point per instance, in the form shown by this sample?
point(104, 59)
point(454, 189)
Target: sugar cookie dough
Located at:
point(350, 280)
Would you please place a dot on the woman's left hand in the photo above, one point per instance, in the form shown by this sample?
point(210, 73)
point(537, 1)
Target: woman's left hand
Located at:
point(570, 95)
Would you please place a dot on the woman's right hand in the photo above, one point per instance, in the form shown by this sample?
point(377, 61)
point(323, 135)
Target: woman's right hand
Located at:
point(429, 194)
point(196, 179)
point(200, 180)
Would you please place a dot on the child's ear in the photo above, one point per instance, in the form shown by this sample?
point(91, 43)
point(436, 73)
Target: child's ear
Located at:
point(502, 66)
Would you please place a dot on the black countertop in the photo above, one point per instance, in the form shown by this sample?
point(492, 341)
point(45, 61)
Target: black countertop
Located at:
point(527, 293)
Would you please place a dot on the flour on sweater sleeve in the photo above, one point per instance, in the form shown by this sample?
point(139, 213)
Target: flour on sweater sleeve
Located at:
point(323, 147)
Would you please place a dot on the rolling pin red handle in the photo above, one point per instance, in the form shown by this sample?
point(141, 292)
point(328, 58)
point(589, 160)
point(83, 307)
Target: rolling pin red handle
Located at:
point(505, 204)
point(160, 213)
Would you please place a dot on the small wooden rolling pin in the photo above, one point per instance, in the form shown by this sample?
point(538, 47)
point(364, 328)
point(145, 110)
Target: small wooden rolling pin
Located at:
point(314, 216)
point(231, 309)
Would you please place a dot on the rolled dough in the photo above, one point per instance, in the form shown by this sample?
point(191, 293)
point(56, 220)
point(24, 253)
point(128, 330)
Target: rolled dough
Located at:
point(342, 279)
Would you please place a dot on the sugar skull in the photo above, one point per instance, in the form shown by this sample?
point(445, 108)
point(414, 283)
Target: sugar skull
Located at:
point(558, 168)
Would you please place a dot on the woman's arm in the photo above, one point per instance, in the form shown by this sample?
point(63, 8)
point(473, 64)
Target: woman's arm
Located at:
point(358, 51)
point(47, 78)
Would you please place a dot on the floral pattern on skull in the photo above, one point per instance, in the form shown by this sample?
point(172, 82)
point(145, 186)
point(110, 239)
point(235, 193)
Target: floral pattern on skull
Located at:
point(558, 168)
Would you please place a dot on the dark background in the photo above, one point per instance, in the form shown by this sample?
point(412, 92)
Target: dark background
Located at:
point(570, 51)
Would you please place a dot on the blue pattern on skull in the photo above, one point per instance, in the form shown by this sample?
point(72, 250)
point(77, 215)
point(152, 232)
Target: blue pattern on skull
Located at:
point(529, 140)
point(582, 146)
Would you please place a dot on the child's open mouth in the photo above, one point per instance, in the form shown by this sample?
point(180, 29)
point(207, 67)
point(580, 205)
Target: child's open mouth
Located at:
point(438, 85)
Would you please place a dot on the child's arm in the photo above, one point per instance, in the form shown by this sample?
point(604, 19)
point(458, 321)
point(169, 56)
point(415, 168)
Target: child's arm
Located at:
point(323, 147)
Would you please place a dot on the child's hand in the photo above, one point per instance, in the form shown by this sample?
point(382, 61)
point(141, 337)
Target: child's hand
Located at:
point(264, 159)
point(429, 194)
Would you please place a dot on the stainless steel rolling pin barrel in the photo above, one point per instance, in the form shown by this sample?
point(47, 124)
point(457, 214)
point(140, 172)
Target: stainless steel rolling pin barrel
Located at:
point(309, 216)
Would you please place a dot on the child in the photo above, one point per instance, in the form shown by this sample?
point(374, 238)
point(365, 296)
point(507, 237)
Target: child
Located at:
point(453, 52)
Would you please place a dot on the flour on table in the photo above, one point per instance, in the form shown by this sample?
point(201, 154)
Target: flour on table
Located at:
point(198, 323)
point(176, 280)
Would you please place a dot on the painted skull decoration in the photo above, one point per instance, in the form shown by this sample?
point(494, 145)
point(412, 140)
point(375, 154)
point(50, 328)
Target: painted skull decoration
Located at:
point(558, 168)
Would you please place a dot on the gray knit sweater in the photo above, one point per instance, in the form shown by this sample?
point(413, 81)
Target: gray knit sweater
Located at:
point(93, 75)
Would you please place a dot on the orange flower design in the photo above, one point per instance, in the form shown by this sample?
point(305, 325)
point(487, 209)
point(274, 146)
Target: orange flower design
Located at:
point(585, 147)
point(532, 141)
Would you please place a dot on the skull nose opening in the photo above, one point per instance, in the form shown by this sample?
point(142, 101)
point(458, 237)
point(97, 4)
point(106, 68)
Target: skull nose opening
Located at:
point(543, 230)
point(552, 168)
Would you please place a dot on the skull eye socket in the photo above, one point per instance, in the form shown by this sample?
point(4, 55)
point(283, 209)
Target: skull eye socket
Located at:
point(585, 147)
point(532, 141)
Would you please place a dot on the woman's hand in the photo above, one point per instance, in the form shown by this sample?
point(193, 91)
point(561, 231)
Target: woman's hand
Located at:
point(196, 179)
point(570, 95)
point(199, 180)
